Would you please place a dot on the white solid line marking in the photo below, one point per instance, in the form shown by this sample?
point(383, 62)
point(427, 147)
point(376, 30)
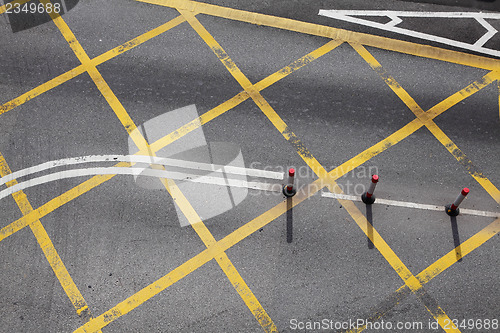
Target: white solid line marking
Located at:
point(415, 14)
point(409, 204)
point(143, 159)
point(346, 16)
point(133, 171)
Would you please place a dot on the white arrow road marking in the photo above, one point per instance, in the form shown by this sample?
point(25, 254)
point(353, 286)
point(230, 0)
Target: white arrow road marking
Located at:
point(395, 20)
point(409, 204)
point(486, 37)
point(145, 172)
point(143, 159)
point(346, 15)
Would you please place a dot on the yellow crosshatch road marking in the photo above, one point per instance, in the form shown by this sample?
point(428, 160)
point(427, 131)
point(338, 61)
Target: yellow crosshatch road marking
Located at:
point(164, 141)
point(255, 224)
point(48, 249)
point(241, 233)
point(224, 262)
point(98, 79)
point(215, 250)
point(95, 62)
point(432, 52)
point(431, 125)
point(318, 169)
point(248, 87)
point(243, 96)
point(338, 172)
point(410, 280)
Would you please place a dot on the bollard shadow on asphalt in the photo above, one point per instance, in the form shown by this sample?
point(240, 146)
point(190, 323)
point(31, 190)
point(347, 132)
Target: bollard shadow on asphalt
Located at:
point(289, 220)
point(369, 225)
point(456, 238)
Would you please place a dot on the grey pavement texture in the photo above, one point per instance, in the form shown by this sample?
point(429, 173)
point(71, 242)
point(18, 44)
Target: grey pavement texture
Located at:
point(118, 238)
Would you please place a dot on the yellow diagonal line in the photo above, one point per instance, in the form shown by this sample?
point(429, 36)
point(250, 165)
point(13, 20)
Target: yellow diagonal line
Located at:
point(318, 169)
point(429, 123)
point(55, 203)
point(143, 38)
point(498, 85)
point(41, 89)
point(373, 235)
point(229, 13)
point(148, 292)
point(95, 181)
point(223, 261)
point(48, 249)
point(200, 121)
point(467, 247)
point(194, 263)
point(462, 94)
point(218, 50)
point(299, 63)
point(415, 49)
point(137, 41)
point(410, 280)
point(20, 2)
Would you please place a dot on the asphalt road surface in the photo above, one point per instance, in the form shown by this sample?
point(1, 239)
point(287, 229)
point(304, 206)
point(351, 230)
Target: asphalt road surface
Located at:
point(95, 237)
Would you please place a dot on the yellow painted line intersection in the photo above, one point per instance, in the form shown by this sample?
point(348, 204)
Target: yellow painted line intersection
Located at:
point(431, 125)
point(57, 81)
point(48, 249)
point(215, 249)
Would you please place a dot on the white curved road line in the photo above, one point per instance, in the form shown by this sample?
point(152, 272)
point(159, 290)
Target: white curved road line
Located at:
point(145, 172)
point(347, 15)
point(142, 159)
point(409, 204)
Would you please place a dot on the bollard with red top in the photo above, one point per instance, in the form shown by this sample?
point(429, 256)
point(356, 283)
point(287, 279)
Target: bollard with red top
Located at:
point(452, 209)
point(368, 197)
point(289, 189)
